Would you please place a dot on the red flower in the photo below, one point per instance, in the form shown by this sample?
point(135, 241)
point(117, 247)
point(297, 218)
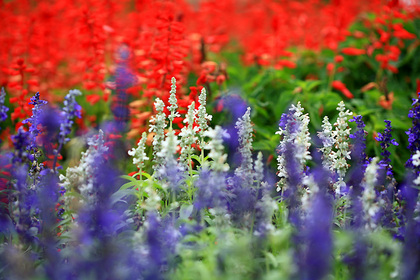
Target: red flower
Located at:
point(353, 51)
point(338, 58)
point(93, 98)
point(338, 85)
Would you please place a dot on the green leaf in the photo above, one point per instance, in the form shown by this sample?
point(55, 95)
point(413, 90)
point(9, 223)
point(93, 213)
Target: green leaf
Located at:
point(119, 195)
point(185, 211)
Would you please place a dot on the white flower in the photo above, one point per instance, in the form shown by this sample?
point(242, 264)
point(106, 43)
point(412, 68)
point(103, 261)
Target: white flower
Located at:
point(83, 175)
point(139, 156)
point(370, 206)
point(216, 148)
point(245, 130)
point(157, 126)
point(416, 162)
point(327, 143)
point(202, 118)
point(188, 136)
point(169, 146)
point(339, 157)
point(173, 101)
point(259, 169)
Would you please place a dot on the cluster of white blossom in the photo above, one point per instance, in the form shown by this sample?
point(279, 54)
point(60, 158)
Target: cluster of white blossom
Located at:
point(188, 136)
point(416, 162)
point(245, 130)
point(138, 154)
point(167, 145)
point(202, 118)
point(369, 198)
point(259, 169)
point(327, 143)
point(173, 102)
point(82, 177)
point(216, 148)
point(158, 125)
point(296, 132)
point(339, 156)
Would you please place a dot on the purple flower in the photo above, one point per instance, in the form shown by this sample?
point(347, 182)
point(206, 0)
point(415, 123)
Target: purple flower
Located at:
point(48, 195)
point(3, 109)
point(211, 188)
point(386, 142)
point(101, 237)
point(411, 250)
point(20, 142)
point(359, 142)
point(25, 201)
point(161, 239)
point(173, 173)
point(34, 120)
point(414, 134)
point(318, 230)
point(124, 79)
point(241, 201)
point(236, 107)
point(71, 110)
point(294, 181)
point(356, 260)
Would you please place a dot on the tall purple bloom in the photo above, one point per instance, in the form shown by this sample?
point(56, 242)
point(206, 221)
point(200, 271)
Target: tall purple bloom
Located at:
point(48, 195)
point(292, 198)
point(20, 142)
point(359, 142)
point(3, 109)
point(124, 79)
point(161, 239)
point(241, 200)
point(236, 107)
point(357, 259)
point(411, 250)
point(210, 190)
point(318, 231)
point(414, 134)
point(26, 203)
point(34, 120)
point(98, 238)
point(386, 142)
point(70, 111)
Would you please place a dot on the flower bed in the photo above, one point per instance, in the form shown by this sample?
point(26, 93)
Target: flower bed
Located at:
point(294, 154)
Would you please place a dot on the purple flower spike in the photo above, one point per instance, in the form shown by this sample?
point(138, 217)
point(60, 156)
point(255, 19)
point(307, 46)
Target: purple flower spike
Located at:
point(71, 110)
point(386, 142)
point(210, 187)
point(414, 134)
point(318, 231)
point(359, 142)
point(411, 251)
point(3, 109)
point(34, 120)
point(124, 79)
